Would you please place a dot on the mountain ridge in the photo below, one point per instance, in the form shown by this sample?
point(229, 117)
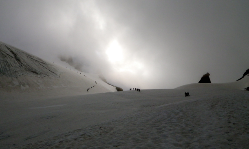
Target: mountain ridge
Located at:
point(23, 72)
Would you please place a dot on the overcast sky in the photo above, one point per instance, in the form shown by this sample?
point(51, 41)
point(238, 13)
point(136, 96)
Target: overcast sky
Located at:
point(135, 43)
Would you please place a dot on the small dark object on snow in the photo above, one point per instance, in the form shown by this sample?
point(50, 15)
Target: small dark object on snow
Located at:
point(187, 94)
point(247, 89)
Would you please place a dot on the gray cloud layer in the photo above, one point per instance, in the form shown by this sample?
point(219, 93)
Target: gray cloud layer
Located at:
point(163, 44)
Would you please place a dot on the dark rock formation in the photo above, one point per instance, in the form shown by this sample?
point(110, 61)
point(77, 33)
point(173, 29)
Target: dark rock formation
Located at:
point(246, 73)
point(205, 78)
point(103, 79)
point(119, 89)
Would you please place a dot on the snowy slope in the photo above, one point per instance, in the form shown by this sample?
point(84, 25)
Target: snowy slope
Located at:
point(24, 73)
point(46, 106)
point(213, 116)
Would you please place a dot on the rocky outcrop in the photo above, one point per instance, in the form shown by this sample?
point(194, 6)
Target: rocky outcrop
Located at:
point(246, 73)
point(205, 78)
point(119, 89)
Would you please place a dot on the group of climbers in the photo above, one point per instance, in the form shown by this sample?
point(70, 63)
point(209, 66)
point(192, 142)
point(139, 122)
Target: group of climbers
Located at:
point(136, 89)
point(92, 86)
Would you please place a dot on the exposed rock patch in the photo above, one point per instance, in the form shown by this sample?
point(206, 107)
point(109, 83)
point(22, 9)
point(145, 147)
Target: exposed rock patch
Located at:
point(246, 73)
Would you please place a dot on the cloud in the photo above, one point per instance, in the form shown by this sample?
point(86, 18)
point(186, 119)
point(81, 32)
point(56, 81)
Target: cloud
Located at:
point(161, 44)
point(69, 60)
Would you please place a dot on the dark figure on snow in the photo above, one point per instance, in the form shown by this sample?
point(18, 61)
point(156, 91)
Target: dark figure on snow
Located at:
point(247, 89)
point(130, 89)
point(135, 89)
point(139, 90)
point(187, 94)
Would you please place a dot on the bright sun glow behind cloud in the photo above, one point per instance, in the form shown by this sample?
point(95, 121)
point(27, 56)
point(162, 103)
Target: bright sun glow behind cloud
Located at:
point(116, 56)
point(122, 61)
point(114, 52)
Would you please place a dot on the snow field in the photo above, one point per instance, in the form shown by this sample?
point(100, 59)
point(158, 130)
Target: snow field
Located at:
point(206, 119)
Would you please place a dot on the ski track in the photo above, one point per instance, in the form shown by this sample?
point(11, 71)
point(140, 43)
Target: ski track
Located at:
point(220, 121)
point(52, 106)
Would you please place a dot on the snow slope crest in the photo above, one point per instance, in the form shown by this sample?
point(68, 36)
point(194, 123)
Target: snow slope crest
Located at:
point(239, 85)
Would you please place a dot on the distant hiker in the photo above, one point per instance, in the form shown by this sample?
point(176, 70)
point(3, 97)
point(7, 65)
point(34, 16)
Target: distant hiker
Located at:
point(95, 82)
point(130, 89)
point(187, 94)
point(135, 89)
